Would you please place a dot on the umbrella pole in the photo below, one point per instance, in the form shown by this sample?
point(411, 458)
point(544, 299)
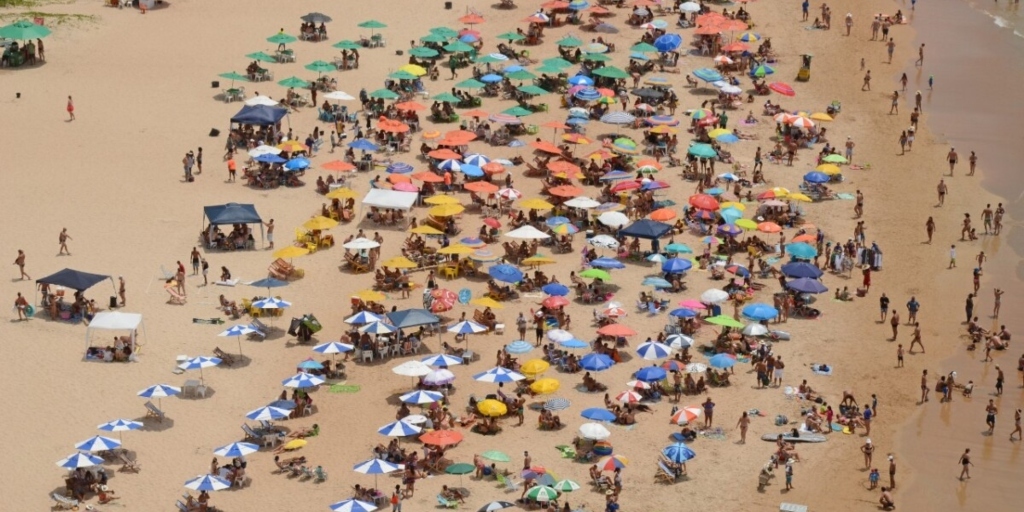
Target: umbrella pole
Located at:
point(201, 378)
point(239, 338)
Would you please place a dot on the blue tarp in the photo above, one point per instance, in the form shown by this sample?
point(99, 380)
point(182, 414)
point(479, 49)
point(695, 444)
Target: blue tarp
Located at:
point(412, 318)
point(73, 279)
point(261, 115)
point(646, 228)
point(232, 213)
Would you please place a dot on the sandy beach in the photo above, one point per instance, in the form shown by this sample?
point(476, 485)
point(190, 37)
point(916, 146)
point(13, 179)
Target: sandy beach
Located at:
point(113, 178)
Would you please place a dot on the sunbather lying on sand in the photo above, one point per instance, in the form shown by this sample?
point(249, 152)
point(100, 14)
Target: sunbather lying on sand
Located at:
point(305, 432)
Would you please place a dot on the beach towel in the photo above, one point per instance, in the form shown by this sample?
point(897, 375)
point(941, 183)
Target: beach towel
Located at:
point(773, 260)
point(216, 321)
point(568, 452)
point(845, 196)
point(864, 167)
point(744, 123)
point(230, 282)
point(816, 368)
point(345, 388)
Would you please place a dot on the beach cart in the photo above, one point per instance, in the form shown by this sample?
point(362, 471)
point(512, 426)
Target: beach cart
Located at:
point(805, 69)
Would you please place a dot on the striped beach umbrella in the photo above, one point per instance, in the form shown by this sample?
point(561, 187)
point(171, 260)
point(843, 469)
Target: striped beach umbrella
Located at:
point(442, 360)
point(399, 429)
point(363, 317)
point(207, 483)
point(267, 413)
point(98, 444)
point(236, 450)
point(353, 505)
point(653, 350)
point(302, 380)
point(80, 460)
point(686, 415)
point(421, 397)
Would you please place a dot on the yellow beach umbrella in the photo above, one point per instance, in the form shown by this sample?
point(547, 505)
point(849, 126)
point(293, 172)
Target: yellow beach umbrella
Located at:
point(733, 204)
point(414, 69)
point(545, 386)
point(536, 204)
point(341, 193)
point(319, 223)
point(534, 367)
point(718, 132)
point(370, 295)
point(295, 444)
point(487, 302)
point(799, 197)
point(830, 169)
point(537, 259)
point(456, 249)
point(664, 129)
point(426, 230)
point(446, 210)
point(399, 262)
point(292, 146)
point(780, 191)
point(746, 224)
point(441, 200)
point(492, 408)
point(291, 252)
point(821, 116)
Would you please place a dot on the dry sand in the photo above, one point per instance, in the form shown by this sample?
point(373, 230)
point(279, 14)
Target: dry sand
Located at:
point(113, 179)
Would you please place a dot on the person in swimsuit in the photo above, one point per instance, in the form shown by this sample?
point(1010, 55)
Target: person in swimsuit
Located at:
point(965, 461)
point(1016, 425)
point(990, 416)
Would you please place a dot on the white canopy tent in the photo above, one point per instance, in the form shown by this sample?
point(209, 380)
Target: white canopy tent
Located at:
point(528, 232)
point(116, 321)
point(393, 199)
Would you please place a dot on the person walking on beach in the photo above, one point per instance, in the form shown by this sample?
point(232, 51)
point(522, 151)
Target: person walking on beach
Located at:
point(270, 232)
point(969, 307)
point(20, 262)
point(965, 461)
point(895, 323)
point(187, 162)
point(972, 161)
point(883, 304)
point(998, 300)
point(929, 226)
point(917, 102)
point(875, 25)
point(899, 356)
point(71, 109)
point(943, 190)
point(903, 82)
point(867, 449)
point(981, 258)
point(924, 386)
point(1016, 425)
point(951, 157)
point(195, 261)
point(849, 149)
point(990, 416)
point(920, 56)
point(997, 221)
point(199, 156)
point(952, 256)
point(789, 474)
point(849, 23)
point(232, 169)
point(903, 143)
point(743, 423)
point(63, 240)
point(867, 82)
point(913, 306)
point(890, 47)
point(206, 269)
point(915, 338)
point(121, 290)
point(21, 305)
point(805, 7)
point(894, 108)
point(999, 380)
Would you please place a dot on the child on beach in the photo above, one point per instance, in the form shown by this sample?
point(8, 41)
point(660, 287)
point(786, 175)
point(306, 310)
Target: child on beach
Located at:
point(873, 478)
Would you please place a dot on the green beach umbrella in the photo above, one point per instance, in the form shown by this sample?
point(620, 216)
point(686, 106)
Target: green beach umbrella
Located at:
point(557, 62)
point(346, 44)
point(596, 273)
point(542, 493)
point(234, 76)
point(596, 57)
point(533, 90)
point(458, 46)
point(446, 97)
point(280, 38)
point(460, 469)
point(402, 75)
point(522, 74)
point(702, 151)
point(569, 42)
point(320, 66)
point(724, 321)
point(611, 72)
point(293, 81)
point(511, 36)
point(517, 111)
point(372, 24)
point(489, 59)
point(261, 57)
point(384, 94)
point(24, 29)
point(566, 486)
point(835, 159)
point(643, 48)
point(496, 456)
point(423, 52)
point(445, 32)
point(433, 38)
point(472, 83)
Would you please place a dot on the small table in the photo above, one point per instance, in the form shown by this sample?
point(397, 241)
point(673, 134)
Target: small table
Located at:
point(190, 387)
point(415, 419)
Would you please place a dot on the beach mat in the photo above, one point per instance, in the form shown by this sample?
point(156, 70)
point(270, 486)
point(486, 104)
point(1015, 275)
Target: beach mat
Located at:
point(215, 321)
point(816, 368)
point(345, 388)
point(805, 437)
point(845, 196)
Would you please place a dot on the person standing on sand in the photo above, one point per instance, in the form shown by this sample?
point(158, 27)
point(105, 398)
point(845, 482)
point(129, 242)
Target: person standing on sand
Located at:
point(973, 161)
point(924, 386)
point(986, 220)
point(895, 323)
point(883, 304)
point(966, 229)
point(951, 157)
point(890, 47)
point(63, 240)
point(232, 169)
point(952, 256)
point(199, 156)
point(903, 143)
point(849, 23)
point(899, 356)
point(195, 261)
point(20, 262)
point(206, 270)
point(913, 306)
point(981, 258)
point(998, 300)
point(990, 416)
point(849, 148)
point(929, 226)
point(917, 101)
point(943, 190)
point(892, 472)
point(709, 412)
point(867, 414)
point(867, 82)
point(21, 305)
point(997, 221)
point(916, 338)
point(969, 307)
point(120, 290)
point(805, 7)
point(895, 106)
point(999, 380)
point(965, 461)
point(270, 232)
point(903, 82)
point(71, 109)
point(743, 423)
point(867, 449)
point(789, 474)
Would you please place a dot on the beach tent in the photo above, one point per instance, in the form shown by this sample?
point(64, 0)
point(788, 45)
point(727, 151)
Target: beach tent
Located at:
point(73, 279)
point(115, 321)
point(646, 228)
point(393, 199)
point(260, 115)
point(412, 318)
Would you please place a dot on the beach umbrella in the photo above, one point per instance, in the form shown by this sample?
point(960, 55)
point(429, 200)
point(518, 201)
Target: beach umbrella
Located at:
point(605, 262)
point(98, 444)
point(442, 360)
point(653, 350)
point(363, 317)
point(557, 404)
point(467, 327)
point(782, 88)
point(677, 248)
point(269, 159)
point(119, 426)
point(598, 414)
point(595, 362)
point(377, 467)
point(439, 377)
point(160, 391)
point(534, 367)
point(519, 347)
point(799, 269)
point(554, 302)
point(760, 312)
point(650, 374)
point(412, 369)
point(618, 117)
point(801, 250)
point(262, 57)
point(353, 505)
point(505, 273)
point(761, 71)
point(302, 380)
point(722, 361)
point(594, 431)
point(496, 456)
point(544, 386)
point(679, 341)
point(816, 177)
point(310, 364)
point(23, 30)
point(676, 265)
point(421, 397)
point(557, 289)
point(316, 17)
point(498, 375)
point(668, 42)
point(267, 413)
point(399, 429)
point(80, 460)
point(377, 328)
point(492, 408)
point(207, 483)
point(708, 74)
point(495, 506)
point(198, 363)
point(238, 331)
point(542, 493)
point(236, 450)
point(729, 230)
point(696, 368)
point(612, 462)
point(271, 303)
point(755, 330)
point(441, 438)
point(714, 296)
point(683, 313)
point(293, 82)
point(724, 321)
point(806, 285)
point(595, 273)
point(559, 335)
point(656, 282)
point(679, 453)
point(628, 397)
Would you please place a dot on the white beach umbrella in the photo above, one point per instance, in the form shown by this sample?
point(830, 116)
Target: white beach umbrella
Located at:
point(439, 377)
point(527, 232)
point(696, 368)
point(339, 96)
point(594, 431)
point(264, 149)
point(399, 429)
point(207, 483)
point(613, 219)
point(679, 341)
point(361, 244)
point(302, 380)
point(377, 328)
point(714, 296)
point(98, 444)
point(261, 100)
point(755, 330)
point(689, 7)
point(412, 369)
point(353, 505)
point(559, 335)
point(510, 194)
point(362, 317)
point(583, 202)
point(236, 450)
point(604, 241)
point(80, 460)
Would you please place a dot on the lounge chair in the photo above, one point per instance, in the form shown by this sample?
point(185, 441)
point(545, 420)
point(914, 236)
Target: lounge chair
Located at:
point(225, 358)
point(446, 503)
point(665, 474)
point(64, 503)
point(319, 474)
point(176, 298)
point(260, 327)
point(153, 412)
point(128, 464)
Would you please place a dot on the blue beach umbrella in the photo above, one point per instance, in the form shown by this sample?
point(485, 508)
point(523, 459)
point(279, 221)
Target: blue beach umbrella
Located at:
point(119, 426)
point(442, 360)
point(491, 78)
point(606, 262)
point(302, 380)
point(573, 343)
point(353, 505)
point(399, 168)
point(729, 230)
point(518, 347)
point(656, 282)
point(653, 350)
point(271, 303)
point(581, 80)
point(730, 214)
point(333, 347)
point(668, 42)
point(267, 413)
point(198, 363)
point(236, 450)
point(377, 328)
point(207, 483)
point(505, 273)
point(683, 313)
point(676, 265)
point(472, 171)
point(159, 391)
point(598, 414)
point(595, 362)
point(806, 285)
point(797, 269)
point(363, 317)
point(270, 159)
point(467, 327)
point(498, 375)
point(476, 159)
point(679, 341)
point(650, 374)
point(722, 361)
point(588, 94)
point(556, 289)
point(801, 250)
point(297, 164)
point(399, 429)
point(80, 460)
point(678, 248)
point(421, 397)
point(376, 467)
point(362, 144)
point(98, 444)
point(816, 177)
point(310, 364)
point(760, 311)
point(678, 453)
point(557, 221)
point(707, 74)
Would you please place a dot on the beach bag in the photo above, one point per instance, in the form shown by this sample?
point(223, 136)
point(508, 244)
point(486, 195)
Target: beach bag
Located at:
point(312, 323)
point(781, 420)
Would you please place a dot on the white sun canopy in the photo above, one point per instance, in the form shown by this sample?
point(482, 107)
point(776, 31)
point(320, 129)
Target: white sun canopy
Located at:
point(393, 199)
point(116, 321)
